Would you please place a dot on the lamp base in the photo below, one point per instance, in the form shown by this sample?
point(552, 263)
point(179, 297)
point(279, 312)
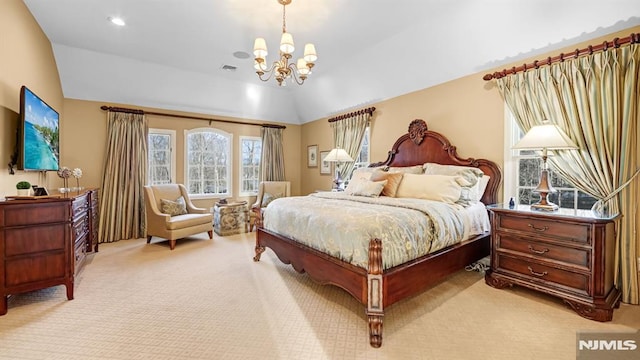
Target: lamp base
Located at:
point(544, 207)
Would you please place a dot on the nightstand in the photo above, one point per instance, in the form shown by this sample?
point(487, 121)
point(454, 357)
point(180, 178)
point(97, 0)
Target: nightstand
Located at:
point(565, 253)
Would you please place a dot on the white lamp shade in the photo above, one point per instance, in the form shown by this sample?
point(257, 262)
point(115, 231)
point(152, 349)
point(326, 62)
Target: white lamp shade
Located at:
point(310, 53)
point(337, 155)
point(260, 48)
point(286, 43)
point(302, 67)
point(545, 136)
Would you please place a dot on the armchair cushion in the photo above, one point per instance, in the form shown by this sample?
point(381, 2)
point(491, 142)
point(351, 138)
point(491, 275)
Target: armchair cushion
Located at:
point(267, 198)
point(173, 208)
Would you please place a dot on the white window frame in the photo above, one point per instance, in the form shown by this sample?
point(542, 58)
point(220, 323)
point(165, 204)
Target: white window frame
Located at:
point(172, 136)
point(229, 164)
point(244, 192)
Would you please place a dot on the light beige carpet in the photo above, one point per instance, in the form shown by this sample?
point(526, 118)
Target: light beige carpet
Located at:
point(208, 300)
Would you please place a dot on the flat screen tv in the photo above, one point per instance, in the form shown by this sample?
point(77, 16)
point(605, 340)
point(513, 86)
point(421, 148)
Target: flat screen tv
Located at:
point(39, 143)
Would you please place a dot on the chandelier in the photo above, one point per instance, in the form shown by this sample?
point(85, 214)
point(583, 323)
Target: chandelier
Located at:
point(281, 69)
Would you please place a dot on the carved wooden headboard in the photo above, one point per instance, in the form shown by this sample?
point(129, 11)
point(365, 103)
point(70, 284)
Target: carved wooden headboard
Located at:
point(420, 145)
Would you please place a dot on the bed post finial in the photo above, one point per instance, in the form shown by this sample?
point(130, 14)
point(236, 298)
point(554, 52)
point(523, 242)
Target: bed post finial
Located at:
point(417, 129)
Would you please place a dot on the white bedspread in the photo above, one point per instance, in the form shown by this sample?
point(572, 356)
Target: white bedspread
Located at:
point(342, 225)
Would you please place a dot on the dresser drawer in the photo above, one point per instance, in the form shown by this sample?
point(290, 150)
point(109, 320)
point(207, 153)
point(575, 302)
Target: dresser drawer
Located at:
point(545, 251)
point(543, 274)
point(80, 227)
point(542, 227)
point(80, 205)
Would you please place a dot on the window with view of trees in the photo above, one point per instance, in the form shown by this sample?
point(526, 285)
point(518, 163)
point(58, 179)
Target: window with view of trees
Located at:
point(250, 153)
point(524, 166)
point(161, 161)
point(208, 161)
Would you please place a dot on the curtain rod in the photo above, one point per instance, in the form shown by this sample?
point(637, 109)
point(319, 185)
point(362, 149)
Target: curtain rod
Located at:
point(631, 39)
point(359, 112)
point(142, 112)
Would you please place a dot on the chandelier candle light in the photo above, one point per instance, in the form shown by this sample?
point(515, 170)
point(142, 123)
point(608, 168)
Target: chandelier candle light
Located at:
point(546, 136)
point(281, 68)
point(338, 156)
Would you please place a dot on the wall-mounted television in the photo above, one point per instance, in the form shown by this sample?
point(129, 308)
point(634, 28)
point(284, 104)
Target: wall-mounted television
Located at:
point(39, 142)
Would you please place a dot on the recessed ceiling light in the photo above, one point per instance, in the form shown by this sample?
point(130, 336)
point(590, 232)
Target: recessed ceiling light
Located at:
point(116, 20)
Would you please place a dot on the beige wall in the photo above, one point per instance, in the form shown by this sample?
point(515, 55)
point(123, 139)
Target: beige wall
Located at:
point(468, 110)
point(85, 135)
point(26, 58)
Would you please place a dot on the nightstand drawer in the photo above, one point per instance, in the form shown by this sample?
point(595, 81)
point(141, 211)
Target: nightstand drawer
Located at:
point(541, 273)
point(545, 251)
point(542, 227)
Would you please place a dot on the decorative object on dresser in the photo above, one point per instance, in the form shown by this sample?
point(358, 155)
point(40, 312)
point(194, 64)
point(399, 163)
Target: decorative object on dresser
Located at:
point(230, 217)
point(44, 242)
point(568, 254)
point(374, 285)
point(23, 188)
point(338, 156)
point(546, 137)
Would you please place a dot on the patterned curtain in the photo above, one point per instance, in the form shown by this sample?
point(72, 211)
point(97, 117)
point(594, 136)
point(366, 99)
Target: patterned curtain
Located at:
point(272, 160)
point(122, 211)
point(348, 134)
point(595, 100)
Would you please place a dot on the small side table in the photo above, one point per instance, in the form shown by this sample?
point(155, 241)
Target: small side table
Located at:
point(230, 218)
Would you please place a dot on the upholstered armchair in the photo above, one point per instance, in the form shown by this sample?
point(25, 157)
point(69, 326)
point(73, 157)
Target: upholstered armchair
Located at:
point(172, 216)
point(267, 192)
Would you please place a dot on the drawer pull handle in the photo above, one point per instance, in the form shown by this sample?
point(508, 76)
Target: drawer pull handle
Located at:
point(536, 273)
point(544, 228)
point(544, 250)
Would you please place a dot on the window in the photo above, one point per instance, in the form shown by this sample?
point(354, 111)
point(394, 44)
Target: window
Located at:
point(162, 160)
point(208, 162)
point(363, 157)
point(250, 154)
point(522, 175)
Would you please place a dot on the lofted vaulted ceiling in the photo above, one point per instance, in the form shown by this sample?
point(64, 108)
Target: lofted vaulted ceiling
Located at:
point(171, 53)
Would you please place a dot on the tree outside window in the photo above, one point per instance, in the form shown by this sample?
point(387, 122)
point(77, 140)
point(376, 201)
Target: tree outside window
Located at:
point(250, 153)
point(161, 158)
point(208, 163)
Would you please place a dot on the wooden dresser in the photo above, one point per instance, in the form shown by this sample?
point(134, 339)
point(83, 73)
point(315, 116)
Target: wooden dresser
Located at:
point(44, 242)
point(567, 253)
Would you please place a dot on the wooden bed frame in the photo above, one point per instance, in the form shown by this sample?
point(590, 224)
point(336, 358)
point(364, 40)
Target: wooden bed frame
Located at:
point(377, 288)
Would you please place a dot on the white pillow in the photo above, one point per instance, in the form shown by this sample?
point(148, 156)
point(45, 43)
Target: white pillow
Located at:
point(417, 169)
point(443, 188)
point(470, 184)
point(480, 187)
point(358, 178)
point(369, 188)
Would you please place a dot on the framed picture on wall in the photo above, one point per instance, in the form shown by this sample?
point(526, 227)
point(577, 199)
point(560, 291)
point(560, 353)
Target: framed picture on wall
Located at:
point(312, 156)
point(325, 166)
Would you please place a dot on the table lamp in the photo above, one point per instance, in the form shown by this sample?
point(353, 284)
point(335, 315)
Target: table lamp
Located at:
point(544, 137)
point(338, 156)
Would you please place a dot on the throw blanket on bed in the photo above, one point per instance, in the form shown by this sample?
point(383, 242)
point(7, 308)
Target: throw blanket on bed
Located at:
point(342, 225)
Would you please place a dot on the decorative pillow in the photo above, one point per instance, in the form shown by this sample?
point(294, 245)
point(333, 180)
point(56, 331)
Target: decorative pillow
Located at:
point(443, 188)
point(470, 174)
point(357, 179)
point(369, 188)
point(173, 208)
point(393, 181)
point(481, 186)
point(267, 198)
